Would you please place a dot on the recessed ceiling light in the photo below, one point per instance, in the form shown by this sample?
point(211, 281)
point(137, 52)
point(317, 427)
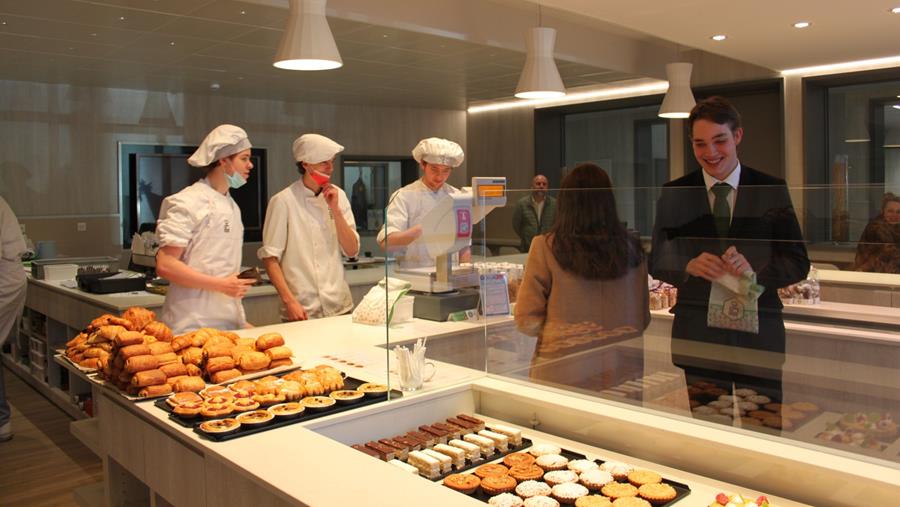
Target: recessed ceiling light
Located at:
point(214, 86)
point(802, 24)
point(2, 22)
point(719, 37)
point(93, 34)
point(240, 78)
point(121, 18)
point(896, 10)
point(171, 43)
point(243, 12)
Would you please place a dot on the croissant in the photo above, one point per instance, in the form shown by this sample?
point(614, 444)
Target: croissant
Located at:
point(253, 361)
point(280, 352)
point(139, 317)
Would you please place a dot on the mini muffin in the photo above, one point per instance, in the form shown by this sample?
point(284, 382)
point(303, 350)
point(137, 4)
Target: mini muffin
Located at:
point(541, 449)
point(595, 479)
point(657, 493)
point(748, 406)
point(630, 501)
point(618, 469)
point(774, 407)
point(464, 483)
point(551, 462)
point(641, 477)
point(541, 501)
point(526, 473)
point(518, 459)
point(497, 484)
point(593, 501)
point(560, 477)
point(506, 500)
point(582, 465)
point(616, 490)
point(794, 415)
point(744, 392)
point(491, 469)
point(569, 492)
point(528, 489)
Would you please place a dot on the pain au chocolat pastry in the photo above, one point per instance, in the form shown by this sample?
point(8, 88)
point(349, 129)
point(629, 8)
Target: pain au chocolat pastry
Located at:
point(410, 443)
point(192, 384)
point(279, 352)
point(269, 340)
point(251, 361)
point(155, 390)
point(148, 378)
point(138, 349)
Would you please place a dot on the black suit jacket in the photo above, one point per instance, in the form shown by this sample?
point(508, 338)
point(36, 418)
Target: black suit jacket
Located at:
point(764, 229)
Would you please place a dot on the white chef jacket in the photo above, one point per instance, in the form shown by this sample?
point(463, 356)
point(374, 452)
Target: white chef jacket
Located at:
point(407, 207)
point(12, 274)
point(300, 232)
point(207, 224)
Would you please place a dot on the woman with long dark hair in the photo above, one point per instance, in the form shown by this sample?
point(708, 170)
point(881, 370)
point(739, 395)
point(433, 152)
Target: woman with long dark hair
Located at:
point(586, 279)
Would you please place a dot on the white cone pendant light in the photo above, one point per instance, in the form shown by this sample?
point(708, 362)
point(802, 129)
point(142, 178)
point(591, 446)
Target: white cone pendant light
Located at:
point(540, 77)
point(307, 42)
point(679, 99)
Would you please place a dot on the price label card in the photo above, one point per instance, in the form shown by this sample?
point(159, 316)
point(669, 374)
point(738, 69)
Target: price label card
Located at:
point(494, 294)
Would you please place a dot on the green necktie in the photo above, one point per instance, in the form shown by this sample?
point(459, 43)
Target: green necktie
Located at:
point(721, 209)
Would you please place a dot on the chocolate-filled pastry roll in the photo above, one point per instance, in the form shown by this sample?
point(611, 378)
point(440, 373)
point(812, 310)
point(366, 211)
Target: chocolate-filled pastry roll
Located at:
point(141, 363)
point(158, 348)
point(155, 390)
point(280, 362)
point(168, 358)
point(148, 378)
point(193, 384)
point(280, 352)
point(253, 361)
point(225, 375)
point(219, 363)
point(269, 340)
point(174, 369)
point(125, 338)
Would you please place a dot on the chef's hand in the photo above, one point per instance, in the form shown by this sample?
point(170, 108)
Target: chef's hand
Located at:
point(295, 311)
point(234, 286)
point(415, 231)
point(706, 266)
point(735, 262)
point(330, 194)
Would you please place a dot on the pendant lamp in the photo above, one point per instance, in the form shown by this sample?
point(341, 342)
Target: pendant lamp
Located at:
point(540, 78)
point(679, 99)
point(307, 42)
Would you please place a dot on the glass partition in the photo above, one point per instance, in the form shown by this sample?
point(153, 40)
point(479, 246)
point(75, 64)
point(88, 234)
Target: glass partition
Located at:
point(821, 372)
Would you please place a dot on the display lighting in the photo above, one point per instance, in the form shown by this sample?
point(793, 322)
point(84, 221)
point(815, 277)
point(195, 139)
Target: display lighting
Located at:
point(679, 98)
point(802, 24)
point(574, 98)
point(307, 42)
point(844, 66)
point(719, 37)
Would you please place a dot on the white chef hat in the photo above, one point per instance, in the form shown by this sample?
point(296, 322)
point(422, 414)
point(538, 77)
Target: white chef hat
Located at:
point(223, 141)
point(313, 148)
point(435, 150)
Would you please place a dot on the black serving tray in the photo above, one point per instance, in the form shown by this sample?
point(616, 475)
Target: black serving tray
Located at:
point(681, 490)
point(350, 383)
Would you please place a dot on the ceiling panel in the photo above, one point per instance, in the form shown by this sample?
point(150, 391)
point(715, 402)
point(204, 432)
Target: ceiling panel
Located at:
point(216, 43)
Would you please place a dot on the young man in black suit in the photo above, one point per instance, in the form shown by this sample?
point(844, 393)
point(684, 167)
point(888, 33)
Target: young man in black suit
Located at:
point(726, 218)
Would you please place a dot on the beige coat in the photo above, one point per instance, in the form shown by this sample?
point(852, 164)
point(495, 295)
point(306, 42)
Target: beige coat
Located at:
point(568, 313)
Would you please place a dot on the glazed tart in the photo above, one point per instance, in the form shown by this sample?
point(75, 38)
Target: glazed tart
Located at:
point(287, 410)
point(255, 418)
point(221, 426)
point(181, 398)
point(317, 402)
point(372, 389)
point(244, 404)
point(345, 397)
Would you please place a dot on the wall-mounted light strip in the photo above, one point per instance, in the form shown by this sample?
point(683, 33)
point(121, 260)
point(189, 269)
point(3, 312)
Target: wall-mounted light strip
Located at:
point(574, 97)
point(844, 66)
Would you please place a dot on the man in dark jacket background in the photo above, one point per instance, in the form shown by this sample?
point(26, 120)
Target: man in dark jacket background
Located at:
point(534, 213)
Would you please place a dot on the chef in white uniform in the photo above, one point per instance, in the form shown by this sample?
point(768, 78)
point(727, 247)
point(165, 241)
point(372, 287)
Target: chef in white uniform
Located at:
point(308, 226)
point(402, 228)
point(200, 235)
point(12, 295)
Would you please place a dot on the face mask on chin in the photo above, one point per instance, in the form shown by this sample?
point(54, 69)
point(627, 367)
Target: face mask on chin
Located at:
point(235, 180)
point(319, 178)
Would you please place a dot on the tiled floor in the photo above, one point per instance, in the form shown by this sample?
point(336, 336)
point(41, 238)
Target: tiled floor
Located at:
point(43, 463)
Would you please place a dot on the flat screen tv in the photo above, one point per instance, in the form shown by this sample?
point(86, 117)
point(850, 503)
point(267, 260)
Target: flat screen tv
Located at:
point(150, 173)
